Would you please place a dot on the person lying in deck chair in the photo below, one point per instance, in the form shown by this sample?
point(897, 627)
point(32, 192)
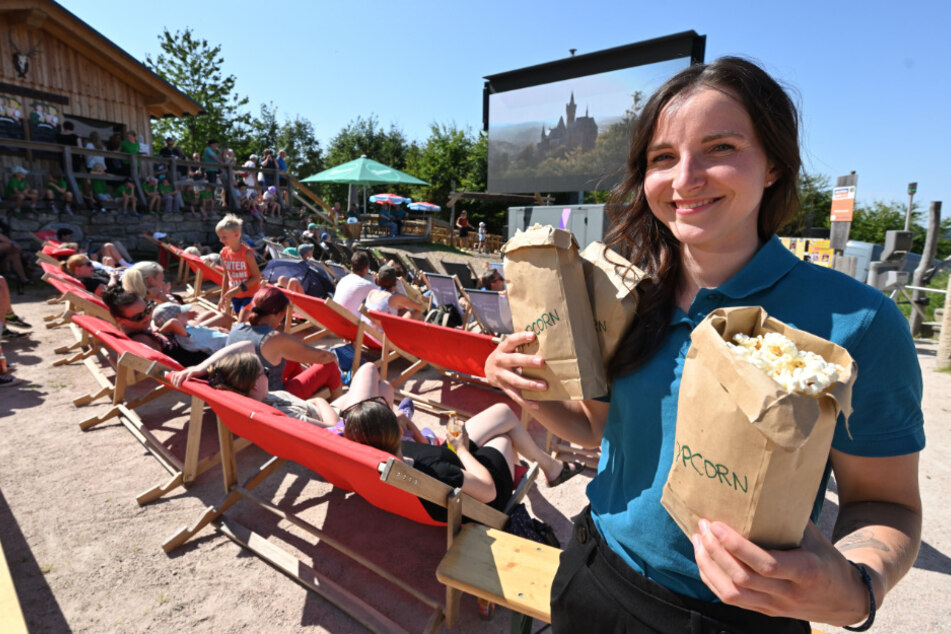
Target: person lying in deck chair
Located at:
point(239, 369)
point(481, 460)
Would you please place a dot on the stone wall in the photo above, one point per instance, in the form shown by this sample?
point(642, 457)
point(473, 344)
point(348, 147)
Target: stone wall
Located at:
point(181, 228)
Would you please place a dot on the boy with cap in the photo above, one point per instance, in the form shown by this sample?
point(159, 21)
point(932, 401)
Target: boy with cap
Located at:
point(19, 190)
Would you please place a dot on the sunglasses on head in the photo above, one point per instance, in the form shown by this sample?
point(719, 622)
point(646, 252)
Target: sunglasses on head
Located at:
point(374, 399)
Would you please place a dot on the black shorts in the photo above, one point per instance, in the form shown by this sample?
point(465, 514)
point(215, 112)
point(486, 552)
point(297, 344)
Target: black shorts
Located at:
point(596, 591)
point(498, 467)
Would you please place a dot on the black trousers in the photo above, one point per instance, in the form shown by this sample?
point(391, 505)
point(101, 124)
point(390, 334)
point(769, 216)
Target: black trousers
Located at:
point(596, 591)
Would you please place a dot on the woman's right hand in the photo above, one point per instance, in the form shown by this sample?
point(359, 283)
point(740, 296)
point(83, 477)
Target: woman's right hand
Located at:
point(177, 377)
point(503, 368)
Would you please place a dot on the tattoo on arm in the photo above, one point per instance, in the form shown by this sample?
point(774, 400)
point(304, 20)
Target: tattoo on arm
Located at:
point(864, 538)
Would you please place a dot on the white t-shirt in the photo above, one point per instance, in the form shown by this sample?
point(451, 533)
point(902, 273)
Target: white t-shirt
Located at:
point(351, 291)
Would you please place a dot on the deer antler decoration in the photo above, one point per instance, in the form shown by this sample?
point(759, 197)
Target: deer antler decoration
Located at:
point(21, 60)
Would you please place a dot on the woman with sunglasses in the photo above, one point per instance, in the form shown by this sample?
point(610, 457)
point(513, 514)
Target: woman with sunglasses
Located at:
point(83, 269)
point(492, 280)
point(133, 315)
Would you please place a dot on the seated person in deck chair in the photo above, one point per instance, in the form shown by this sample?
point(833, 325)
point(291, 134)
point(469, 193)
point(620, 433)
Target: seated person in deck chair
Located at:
point(482, 458)
point(83, 269)
point(238, 368)
point(385, 299)
point(134, 318)
point(282, 354)
point(354, 287)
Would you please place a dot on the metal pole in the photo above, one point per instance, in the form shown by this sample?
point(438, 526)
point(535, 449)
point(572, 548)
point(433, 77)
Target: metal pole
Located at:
point(912, 188)
point(927, 261)
point(452, 218)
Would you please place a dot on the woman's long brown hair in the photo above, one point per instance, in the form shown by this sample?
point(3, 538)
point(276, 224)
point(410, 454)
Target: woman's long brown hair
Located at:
point(648, 243)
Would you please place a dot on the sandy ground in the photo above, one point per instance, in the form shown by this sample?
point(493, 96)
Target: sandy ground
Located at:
point(85, 557)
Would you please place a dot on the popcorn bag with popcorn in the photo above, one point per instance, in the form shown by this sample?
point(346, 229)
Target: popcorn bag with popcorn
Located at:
point(614, 290)
point(757, 410)
point(547, 294)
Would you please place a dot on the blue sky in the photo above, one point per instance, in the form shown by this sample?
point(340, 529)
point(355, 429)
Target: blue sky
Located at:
point(871, 76)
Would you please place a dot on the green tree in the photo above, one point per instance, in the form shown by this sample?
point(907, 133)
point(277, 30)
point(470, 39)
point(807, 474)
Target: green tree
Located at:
point(296, 136)
point(194, 66)
point(815, 205)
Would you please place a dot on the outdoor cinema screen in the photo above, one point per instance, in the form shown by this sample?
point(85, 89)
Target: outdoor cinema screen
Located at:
point(565, 126)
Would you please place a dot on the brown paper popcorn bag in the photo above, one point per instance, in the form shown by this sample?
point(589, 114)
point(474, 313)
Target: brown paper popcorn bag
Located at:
point(747, 452)
point(613, 289)
point(547, 294)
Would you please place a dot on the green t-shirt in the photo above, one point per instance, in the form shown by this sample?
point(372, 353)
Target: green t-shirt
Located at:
point(165, 188)
point(128, 147)
point(99, 186)
point(61, 184)
point(205, 194)
point(124, 189)
point(189, 194)
point(15, 185)
point(149, 188)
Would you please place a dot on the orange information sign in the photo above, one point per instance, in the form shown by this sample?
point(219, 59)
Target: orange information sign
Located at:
point(843, 203)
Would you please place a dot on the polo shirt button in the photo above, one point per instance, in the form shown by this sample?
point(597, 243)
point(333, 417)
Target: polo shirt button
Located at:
point(713, 297)
point(582, 534)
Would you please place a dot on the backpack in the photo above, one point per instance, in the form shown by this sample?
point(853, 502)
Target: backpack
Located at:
point(524, 525)
point(444, 315)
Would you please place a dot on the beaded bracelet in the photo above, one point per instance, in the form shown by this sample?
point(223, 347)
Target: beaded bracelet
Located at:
point(867, 580)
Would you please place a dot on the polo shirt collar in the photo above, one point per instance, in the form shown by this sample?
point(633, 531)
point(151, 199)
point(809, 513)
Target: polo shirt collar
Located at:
point(768, 266)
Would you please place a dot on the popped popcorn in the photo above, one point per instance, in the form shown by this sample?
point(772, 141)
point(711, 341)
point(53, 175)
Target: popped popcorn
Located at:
point(796, 370)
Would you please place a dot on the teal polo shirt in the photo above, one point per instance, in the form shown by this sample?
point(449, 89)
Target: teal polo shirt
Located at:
point(638, 443)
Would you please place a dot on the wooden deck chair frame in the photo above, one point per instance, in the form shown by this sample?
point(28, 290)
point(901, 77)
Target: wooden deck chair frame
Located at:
point(175, 252)
point(419, 361)
point(393, 473)
point(131, 369)
point(313, 309)
point(204, 272)
point(338, 271)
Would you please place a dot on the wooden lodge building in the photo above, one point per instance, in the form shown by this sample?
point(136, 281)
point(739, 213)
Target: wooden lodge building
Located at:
point(55, 68)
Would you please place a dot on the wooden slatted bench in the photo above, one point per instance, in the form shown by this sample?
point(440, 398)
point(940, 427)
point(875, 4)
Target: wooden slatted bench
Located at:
point(505, 569)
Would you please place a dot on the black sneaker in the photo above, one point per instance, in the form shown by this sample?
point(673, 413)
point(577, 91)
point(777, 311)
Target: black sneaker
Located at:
point(16, 320)
point(12, 334)
point(9, 381)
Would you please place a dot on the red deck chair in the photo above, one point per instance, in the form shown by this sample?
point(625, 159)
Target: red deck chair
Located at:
point(337, 320)
point(76, 300)
point(203, 273)
point(134, 362)
point(457, 353)
point(377, 476)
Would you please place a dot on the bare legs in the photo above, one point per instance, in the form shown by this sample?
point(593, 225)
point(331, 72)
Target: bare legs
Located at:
point(499, 427)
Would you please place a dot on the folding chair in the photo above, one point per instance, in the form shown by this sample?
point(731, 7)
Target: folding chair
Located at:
point(376, 476)
point(336, 270)
point(422, 264)
point(410, 272)
point(455, 353)
point(491, 309)
point(461, 271)
point(446, 289)
point(203, 273)
point(331, 317)
point(137, 361)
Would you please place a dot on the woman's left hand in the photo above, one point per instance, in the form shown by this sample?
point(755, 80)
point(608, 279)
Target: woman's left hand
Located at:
point(814, 582)
point(459, 442)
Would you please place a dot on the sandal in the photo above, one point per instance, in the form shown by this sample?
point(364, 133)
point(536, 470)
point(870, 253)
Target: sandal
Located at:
point(568, 471)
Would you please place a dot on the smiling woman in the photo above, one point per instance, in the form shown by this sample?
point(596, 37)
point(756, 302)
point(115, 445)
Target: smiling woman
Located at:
point(711, 175)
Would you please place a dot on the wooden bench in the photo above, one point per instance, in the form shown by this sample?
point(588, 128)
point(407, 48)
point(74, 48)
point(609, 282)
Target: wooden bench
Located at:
point(505, 569)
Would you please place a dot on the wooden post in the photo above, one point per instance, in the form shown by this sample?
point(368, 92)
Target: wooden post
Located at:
point(944, 340)
point(927, 261)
